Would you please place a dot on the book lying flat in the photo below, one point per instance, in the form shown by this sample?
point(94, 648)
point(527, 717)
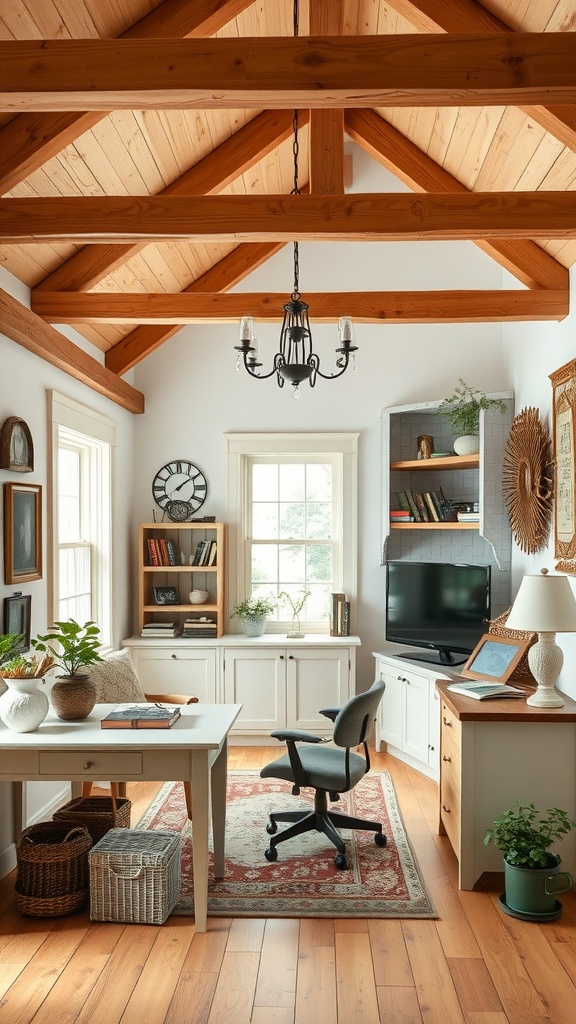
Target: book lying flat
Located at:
point(483, 689)
point(141, 716)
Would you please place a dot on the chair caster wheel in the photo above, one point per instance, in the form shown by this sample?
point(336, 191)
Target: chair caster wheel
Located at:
point(340, 862)
point(271, 828)
point(271, 854)
point(380, 839)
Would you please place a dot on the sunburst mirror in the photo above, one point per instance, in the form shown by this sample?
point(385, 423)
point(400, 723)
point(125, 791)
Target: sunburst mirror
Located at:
point(527, 481)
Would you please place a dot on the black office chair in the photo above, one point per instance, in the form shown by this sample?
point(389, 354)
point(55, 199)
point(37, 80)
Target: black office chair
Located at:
point(329, 771)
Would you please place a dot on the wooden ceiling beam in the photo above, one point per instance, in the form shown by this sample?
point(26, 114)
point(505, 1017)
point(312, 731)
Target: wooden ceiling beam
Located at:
point(282, 218)
point(29, 140)
point(345, 71)
point(24, 327)
point(225, 274)
point(212, 174)
point(470, 16)
point(524, 259)
point(424, 307)
point(326, 135)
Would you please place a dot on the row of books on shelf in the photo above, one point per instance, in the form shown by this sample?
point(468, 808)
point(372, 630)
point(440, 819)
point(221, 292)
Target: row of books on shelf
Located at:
point(432, 507)
point(339, 615)
point(199, 628)
point(205, 553)
point(166, 630)
point(161, 551)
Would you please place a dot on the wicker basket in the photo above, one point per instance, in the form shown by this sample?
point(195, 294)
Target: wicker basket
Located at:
point(52, 869)
point(98, 813)
point(134, 876)
point(521, 673)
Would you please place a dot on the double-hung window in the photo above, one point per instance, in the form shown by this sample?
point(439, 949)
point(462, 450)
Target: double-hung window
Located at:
point(293, 521)
point(82, 451)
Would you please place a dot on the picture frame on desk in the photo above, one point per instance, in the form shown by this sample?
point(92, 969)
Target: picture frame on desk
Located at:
point(564, 445)
point(494, 658)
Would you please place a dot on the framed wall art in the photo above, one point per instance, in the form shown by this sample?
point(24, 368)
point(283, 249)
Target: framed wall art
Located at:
point(16, 446)
point(165, 595)
point(22, 532)
point(494, 658)
point(564, 447)
point(17, 614)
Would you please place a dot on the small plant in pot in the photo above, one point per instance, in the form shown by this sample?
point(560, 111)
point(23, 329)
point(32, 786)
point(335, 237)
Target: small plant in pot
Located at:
point(531, 878)
point(462, 410)
point(73, 694)
point(253, 612)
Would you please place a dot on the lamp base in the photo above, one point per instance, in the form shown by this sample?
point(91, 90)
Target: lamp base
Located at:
point(545, 659)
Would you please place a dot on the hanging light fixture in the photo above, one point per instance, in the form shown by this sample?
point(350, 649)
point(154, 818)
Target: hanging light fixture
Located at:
point(296, 360)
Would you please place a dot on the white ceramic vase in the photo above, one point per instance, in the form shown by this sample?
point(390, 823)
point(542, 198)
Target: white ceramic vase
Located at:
point(468, 444)
point(253, 627)
point(23, 707)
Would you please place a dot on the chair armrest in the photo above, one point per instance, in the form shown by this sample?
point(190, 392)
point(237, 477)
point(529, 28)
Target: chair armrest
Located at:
point(331, 713)
point(295, 735)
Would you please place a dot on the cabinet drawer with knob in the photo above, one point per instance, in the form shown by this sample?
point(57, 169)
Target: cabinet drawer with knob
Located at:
point(64, 764)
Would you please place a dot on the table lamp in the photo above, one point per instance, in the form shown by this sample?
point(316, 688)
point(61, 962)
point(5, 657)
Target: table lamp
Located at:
point(545, 605)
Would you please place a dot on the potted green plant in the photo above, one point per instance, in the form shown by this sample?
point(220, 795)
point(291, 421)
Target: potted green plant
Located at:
point(73, 694)
point(253, 612)
point(296, 602)
point(531, 878)
point(462, 410)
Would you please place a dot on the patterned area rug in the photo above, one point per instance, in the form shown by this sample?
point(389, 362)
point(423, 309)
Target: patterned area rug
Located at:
point(303, 882)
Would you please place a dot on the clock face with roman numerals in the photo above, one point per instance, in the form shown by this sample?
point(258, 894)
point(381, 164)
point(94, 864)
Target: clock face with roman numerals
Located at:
point(178, 484)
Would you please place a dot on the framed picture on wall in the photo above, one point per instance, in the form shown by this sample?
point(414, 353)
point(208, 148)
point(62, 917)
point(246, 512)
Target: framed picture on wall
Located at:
point(564, 442)
point(22, 532)
point(17, 612)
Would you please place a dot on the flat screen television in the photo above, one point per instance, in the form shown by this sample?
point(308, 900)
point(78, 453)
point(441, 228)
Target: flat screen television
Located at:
point(437, 605)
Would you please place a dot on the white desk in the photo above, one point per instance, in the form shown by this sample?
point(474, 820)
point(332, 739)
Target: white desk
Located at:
point(193, 750)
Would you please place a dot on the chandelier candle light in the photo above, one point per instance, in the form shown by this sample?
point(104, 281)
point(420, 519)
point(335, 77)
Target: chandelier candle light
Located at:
point(296, 361)
point(545, 605)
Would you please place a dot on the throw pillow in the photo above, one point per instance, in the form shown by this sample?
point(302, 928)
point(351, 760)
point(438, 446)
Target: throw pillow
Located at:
point(115, 679)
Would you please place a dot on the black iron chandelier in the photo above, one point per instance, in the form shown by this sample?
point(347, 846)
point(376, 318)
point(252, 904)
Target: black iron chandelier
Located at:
point(296, 361)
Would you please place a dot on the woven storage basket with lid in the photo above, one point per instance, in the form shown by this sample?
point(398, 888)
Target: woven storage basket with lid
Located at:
point(52, 869)
point(522, 673)
point(98, 813)
point(135, 876)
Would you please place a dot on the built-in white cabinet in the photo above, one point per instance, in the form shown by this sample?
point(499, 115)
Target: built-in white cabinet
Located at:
point(408, 721)
point(280, 683)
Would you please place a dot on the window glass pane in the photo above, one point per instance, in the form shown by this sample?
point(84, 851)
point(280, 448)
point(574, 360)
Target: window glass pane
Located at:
point(318, 520)
point(292, 520)
point(292, 482)
point(291, 565)
point(264, 482)
point(68, 496)
point(319, 559)
point(319, 482)
point(264, 520)
point(75, 583)
point(264, 563)
point(318, 604)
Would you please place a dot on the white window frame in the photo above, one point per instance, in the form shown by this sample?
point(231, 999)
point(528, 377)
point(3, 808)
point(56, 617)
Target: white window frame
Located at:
point(339, 447)
point(96, 435)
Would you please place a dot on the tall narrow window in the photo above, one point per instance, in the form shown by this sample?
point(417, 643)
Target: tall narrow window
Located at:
point(293, 501)
point(82, 451)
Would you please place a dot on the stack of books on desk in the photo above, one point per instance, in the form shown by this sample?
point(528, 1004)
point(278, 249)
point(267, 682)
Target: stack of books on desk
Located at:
point(199, 629)
point(160, 629)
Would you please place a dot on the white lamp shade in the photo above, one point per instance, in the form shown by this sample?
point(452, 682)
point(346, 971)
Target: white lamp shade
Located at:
point(544, 604)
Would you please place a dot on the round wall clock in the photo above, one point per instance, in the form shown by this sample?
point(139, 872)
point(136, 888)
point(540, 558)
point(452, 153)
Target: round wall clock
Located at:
point(16, 447)
point(179, 488)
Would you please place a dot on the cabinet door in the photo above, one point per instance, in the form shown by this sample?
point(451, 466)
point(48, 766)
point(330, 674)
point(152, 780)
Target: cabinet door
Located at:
point(257, 680)
point(185, 670)
point(434, 729)
point(416, 715)
point(391, 708)
point(315, 679)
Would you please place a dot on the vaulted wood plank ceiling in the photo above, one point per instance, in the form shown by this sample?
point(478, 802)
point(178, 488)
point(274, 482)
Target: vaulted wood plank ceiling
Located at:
point(145, 169)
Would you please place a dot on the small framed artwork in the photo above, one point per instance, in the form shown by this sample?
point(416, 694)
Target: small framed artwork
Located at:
point(17, 612)
point(166, 595)
point(22, 532)
point(564, 443)
point(494, 658)
point(16, 446)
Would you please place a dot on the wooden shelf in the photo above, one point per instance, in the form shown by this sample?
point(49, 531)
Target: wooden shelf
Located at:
point(445, 462)
point(434, 526)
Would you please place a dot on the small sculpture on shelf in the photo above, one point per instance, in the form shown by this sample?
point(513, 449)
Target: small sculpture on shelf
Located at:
point(296, 603)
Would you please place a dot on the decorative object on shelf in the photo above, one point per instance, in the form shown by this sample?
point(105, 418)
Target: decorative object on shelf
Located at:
point(531, 877)
point(295, 362)
point(425, 446)
point(23, 707)
point(564, 446)
point(462, 410)
point(339, 615)
point(521, 673)
point(527, 481)
point(545, 604)
point(198, 596)
point(22, 532)
point(166, 595)
point(179, 488)
point(296, 602)
point(73, 695)
point(16, 446)
point(17, 612)
point(253, 612)
point(494, 658)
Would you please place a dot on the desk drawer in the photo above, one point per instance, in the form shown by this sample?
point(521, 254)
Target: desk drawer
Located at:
point(94, 764)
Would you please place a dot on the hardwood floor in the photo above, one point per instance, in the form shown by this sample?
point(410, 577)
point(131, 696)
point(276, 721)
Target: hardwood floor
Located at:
point(473, 965)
